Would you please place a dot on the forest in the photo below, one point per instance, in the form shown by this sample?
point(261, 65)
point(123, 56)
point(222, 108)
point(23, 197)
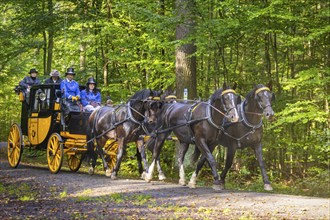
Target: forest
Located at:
point(127, 45)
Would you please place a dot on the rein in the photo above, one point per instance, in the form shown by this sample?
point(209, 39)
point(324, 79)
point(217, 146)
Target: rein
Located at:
point(130, 117)
point(189, 122)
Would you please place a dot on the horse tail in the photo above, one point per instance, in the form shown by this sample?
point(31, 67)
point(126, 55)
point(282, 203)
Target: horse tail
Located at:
point(195, 155)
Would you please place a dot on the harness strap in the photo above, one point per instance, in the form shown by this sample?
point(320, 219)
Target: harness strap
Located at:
point(246, 123)
point(244, 119)
point(188, 117)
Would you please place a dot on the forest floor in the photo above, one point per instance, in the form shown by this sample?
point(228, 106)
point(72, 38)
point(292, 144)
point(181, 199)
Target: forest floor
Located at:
point(32, 192)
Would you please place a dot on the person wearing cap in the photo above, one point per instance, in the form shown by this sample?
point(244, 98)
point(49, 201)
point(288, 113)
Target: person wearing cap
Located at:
point(54, 78)
point(29, 81)
point(71, 93)
point(90, 97)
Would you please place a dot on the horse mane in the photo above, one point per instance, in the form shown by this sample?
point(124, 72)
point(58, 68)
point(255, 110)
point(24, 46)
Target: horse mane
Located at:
point(216, 95)
point(251, 93)
point(139, 95)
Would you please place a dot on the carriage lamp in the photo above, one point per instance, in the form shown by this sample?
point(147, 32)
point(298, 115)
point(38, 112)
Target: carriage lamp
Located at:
point(42, 96)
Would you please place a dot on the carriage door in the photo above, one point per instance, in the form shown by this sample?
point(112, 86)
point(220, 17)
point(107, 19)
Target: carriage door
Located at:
point(40, 115)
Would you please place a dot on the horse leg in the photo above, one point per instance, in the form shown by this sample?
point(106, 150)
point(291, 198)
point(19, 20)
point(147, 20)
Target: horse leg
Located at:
point(93, 158)
point(90, 157)
point(258, 153)
point(158, 143)
point(141, 155)
point(182, 152)
point(120, 154)
point(229, 162)
point(207, 152)
point(200, 163)
point(105, 164)
point(161, 175)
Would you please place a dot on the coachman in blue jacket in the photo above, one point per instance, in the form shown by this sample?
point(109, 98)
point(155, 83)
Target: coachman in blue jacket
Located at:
point(71, 93)
point(91, 97)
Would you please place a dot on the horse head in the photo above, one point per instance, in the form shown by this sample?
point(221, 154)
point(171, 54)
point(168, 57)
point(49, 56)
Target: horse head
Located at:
point(152, 106)
point(138, 104)
point(230, 100)
point(264, 97)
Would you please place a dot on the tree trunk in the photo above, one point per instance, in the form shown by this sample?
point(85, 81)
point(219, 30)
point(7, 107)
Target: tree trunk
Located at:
point(185, 54)
point(50, 39)
point(82, 47)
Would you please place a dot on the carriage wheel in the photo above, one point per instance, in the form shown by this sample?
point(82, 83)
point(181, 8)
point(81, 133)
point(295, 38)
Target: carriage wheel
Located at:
point(74, 162)
point(111, 149)
point(15, 145)
point(55, 153)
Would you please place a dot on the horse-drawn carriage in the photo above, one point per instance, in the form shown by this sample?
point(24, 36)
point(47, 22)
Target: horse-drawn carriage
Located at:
point(43, 126)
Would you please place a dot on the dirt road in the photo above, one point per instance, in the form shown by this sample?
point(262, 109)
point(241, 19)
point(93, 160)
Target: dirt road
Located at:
point(32, 192)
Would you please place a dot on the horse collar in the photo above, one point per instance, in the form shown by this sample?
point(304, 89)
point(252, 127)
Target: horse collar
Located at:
point(209, 116)
point(130, 115)
point(244, 119)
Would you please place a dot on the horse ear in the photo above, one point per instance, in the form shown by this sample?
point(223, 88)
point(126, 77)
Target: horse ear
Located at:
point(235, 85)
point(224, 86)
point(160, 105)
point(270, 85)
point(273, 97)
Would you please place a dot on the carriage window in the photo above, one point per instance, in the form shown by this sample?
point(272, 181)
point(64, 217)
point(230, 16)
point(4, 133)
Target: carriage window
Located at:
point(41, 100)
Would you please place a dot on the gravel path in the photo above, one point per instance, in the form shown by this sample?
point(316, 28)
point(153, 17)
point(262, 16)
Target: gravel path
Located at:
point(33, 192)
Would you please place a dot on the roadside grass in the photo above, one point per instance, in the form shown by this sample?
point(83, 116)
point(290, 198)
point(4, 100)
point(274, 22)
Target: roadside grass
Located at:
point(19, 191)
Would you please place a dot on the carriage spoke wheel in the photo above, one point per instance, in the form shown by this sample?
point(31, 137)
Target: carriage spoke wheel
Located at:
point(15, 145)
point(110, 150)
point(74, 162)
point(55, 153)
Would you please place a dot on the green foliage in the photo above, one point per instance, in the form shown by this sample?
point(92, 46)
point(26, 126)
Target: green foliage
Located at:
point(130, 45)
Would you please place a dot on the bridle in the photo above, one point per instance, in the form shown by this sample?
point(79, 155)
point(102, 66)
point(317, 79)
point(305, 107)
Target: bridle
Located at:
point(258, 99)
point(222, 102)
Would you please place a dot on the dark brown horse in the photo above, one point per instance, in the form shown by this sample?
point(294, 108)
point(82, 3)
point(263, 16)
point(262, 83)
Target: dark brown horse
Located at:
point(247, 132)
point(199, 123)
point(124, 124)
point(168, 97)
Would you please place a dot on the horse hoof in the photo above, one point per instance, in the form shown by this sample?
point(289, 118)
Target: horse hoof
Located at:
point(218, 187)
point(91, 171)
point(108, 173)
point(161, 177)
point(147, 178)
point(192, 185)
point(268, 187)
point(143, 175)
point(113, 176)
point(182, 182)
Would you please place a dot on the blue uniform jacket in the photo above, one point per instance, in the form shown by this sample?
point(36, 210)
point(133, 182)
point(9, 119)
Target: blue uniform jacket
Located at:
point(87, 98)
point(69, 89)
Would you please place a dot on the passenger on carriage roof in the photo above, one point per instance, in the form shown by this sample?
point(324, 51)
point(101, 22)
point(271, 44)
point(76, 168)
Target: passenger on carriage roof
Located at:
point(91, 97)
point(69, 87)
point(29, 81)
point(54, 78)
